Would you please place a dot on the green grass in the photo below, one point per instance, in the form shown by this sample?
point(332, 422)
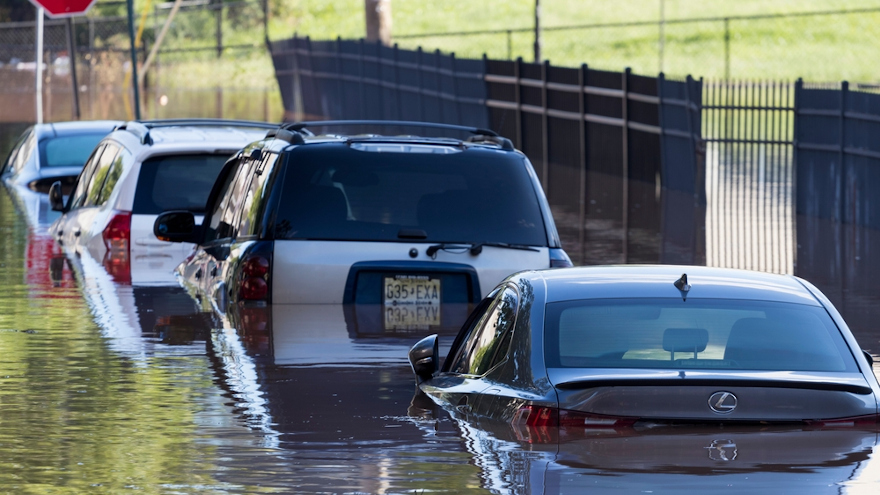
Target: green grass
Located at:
point(817, 48)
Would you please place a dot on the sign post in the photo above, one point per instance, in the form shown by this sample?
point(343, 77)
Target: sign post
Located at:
point(57, 9)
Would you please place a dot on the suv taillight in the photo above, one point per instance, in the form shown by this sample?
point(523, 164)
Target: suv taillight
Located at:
point(559, 258)
point(117, 234)
point(254, 278)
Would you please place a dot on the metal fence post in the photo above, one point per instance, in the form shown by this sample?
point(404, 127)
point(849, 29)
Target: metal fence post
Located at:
point(545, 131)
point(517, 73)
point(625, 163)
point(841, 154)
point(582, 126)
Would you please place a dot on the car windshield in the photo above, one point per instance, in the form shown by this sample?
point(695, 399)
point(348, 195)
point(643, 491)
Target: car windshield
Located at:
point(68, 151)
point(387, 192)
point(709, 334)
point(176, 182)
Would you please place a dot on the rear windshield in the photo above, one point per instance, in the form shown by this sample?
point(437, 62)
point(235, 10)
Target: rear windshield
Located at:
point(712, 334)
point(68, 151)
point(388, 192)
point(176, 182)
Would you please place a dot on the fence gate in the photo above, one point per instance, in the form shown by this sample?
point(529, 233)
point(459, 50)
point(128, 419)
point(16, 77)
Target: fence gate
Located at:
point(748, 127)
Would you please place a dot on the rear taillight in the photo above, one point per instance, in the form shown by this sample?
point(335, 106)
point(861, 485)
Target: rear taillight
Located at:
point(254, 278)
point(559, 258)
point(853, 422)
point(549, 416)
point(117, 234)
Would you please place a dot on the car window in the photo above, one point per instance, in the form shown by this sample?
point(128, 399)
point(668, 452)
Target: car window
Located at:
point(68, 151)
point(123, 159)
point(254, 200)
point(337, 192)
point(713, 334)
point(224, 217)
point(25, 152)
point(487, 345)
point(176, 182)
point(85, 177)
point(11, 158)
point(102, 171)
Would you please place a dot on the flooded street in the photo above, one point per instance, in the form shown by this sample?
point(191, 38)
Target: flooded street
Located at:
point(109, 387)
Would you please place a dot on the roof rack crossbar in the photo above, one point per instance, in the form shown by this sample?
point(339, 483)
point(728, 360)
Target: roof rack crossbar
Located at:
point(208, 122)
point(298, 126)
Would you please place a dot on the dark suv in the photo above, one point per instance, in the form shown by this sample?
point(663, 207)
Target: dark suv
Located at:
point(409, 223)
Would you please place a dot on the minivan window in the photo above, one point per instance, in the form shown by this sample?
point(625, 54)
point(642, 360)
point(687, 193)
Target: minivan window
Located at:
point(102, 171)
point(122, 161)
point(82, 185)
point(176, 182)
point(334, 192)
point(697, 333)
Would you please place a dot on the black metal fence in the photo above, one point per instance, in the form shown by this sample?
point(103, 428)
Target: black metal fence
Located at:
point(347, 79)
point(838, 179)
point(619, 155)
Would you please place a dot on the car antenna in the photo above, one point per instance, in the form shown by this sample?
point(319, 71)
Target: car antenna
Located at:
point(682, 285)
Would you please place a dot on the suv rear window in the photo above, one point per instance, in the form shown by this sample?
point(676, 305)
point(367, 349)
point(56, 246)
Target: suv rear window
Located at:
point(337, 192)
point(707, 333)
point(176, 182)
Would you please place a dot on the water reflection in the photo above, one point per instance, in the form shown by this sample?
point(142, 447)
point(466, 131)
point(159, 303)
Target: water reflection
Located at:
point(672, 460)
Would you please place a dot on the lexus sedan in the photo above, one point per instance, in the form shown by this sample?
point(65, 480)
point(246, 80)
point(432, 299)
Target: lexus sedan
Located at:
point(633, 346)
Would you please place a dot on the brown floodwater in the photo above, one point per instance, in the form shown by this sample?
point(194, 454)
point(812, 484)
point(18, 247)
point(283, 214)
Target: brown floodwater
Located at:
point(107, 387)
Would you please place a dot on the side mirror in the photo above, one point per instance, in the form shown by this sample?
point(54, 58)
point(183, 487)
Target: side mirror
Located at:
point(177, 226)
point(423, 358)
point(56, 197)
point(869, 357)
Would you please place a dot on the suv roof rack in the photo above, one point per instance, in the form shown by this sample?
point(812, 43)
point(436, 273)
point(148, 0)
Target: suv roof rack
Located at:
point(294, 132)
point(141, 128)
point(208, 122)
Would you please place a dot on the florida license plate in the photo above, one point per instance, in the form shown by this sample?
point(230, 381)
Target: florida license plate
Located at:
point(411, 301)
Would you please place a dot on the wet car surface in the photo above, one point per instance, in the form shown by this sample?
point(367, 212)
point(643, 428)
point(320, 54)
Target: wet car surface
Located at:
point(112, 388)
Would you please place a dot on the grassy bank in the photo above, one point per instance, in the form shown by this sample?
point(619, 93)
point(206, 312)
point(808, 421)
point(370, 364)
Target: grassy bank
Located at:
point(817, 48)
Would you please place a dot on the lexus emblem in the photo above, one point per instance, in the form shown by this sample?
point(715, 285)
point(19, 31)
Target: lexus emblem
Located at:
point(722, 402)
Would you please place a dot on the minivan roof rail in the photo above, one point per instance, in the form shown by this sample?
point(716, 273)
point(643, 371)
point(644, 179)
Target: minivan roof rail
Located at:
point(295, 130)
point(141, 128)
point(208, 122)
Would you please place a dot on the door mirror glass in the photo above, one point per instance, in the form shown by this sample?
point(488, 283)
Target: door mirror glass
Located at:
point(176, 226)
point(56, 197)
point(423, 358)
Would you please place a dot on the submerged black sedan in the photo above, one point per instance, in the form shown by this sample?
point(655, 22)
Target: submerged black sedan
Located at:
point(622, 346)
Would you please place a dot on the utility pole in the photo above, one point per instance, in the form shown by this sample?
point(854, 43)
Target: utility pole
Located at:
point(537, 31)
point(378, 14)
point(134, 74)
point(662, 41)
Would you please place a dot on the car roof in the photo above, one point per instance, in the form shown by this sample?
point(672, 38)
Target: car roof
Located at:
point(216, 136)
point(55, 129)
point(657, 281)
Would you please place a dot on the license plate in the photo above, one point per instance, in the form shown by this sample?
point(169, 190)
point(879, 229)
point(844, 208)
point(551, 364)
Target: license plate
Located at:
point(411, 301)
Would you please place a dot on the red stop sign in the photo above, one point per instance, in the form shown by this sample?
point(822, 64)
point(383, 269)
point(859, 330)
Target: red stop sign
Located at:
point(64, 8)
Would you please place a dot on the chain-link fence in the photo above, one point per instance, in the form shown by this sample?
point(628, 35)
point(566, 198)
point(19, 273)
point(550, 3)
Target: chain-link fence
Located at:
point(203, 59)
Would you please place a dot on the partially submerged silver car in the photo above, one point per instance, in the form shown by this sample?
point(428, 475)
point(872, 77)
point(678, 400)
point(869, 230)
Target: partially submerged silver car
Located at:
point(622, 346)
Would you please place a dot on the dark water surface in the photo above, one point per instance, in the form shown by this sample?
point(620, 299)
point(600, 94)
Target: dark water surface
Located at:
point(109, 388)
